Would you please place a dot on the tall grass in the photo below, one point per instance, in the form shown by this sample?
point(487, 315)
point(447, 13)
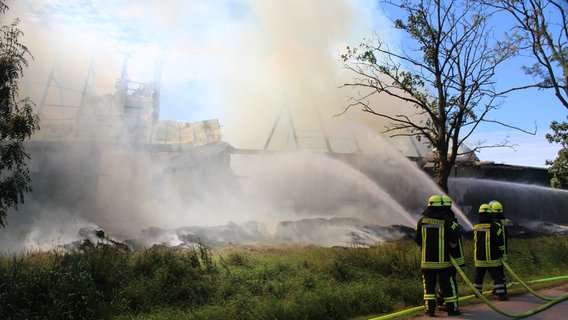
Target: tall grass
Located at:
point(263, 282)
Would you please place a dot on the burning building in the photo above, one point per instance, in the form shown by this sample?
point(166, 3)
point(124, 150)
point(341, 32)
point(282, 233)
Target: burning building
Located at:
point(109, 156)
point(109, 162)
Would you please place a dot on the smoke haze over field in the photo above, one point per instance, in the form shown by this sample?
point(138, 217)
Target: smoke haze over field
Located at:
point(236, 60)
point(254, 65)
point(243, 62)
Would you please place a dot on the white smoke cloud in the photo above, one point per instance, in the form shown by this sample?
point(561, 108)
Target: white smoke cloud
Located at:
point(241, 61)
point(237, 60)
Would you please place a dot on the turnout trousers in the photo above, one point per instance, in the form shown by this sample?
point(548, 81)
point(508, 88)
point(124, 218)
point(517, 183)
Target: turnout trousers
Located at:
point(430, 277)
point(440, 301)
point(498, 276)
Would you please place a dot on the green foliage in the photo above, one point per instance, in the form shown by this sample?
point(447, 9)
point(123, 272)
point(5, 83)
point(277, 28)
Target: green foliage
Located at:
point(559, 166)
point(533, 256)
point(17, 119)
point(302, 283)
point(64, 289)
point(104, 281)
point(163, 277)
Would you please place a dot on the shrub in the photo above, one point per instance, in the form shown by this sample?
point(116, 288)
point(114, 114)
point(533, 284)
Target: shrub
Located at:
point(306, 283)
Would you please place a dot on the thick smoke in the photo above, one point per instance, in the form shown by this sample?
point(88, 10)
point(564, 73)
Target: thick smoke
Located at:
point(240, 61)
point(255, 65)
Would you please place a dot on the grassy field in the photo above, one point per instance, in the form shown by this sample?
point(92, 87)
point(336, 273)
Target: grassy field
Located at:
point(288, 281)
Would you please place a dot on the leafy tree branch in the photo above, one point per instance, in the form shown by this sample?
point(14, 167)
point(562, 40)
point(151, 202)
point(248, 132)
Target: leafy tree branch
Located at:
point(17, 119)
point(444, 74)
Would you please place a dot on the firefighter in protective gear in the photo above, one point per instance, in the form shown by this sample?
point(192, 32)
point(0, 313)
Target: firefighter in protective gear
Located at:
point(488, 252)
point(455, 252)
point(499, 217)
point(435, 237)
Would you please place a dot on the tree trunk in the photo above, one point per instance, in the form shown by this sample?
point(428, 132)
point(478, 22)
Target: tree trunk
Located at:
point(443, 173)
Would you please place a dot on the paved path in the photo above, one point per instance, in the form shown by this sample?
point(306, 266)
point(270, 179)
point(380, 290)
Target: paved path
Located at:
point(516, 304)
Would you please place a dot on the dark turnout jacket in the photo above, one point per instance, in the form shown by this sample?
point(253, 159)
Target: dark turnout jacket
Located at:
point(437, 235)
point(502, 221)
point(456, 251)
point(489, 244)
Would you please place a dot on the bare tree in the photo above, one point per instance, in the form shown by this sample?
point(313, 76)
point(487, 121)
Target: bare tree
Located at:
point(542, 28)
point(444, 74)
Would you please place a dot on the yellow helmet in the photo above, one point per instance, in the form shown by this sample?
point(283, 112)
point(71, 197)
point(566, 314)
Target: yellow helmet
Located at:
point(435, 201)
point(484, 208)
point(496, 206)
point(446, 201)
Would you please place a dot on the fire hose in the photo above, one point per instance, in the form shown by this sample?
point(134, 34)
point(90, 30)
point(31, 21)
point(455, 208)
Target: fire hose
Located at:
point(543, 307)
point(550, 303)
point(521, 282)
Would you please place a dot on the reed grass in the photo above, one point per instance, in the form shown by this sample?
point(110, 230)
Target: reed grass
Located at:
point(247, 282)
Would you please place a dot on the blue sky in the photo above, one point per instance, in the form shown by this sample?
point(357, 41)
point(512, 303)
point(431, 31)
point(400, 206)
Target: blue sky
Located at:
point(531, 110)
point(240, 61)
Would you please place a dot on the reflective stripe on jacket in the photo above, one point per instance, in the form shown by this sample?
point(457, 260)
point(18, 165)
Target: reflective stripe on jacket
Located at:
point(488, 244)
point(457, 251)
point(435, 236)
point(503, 223)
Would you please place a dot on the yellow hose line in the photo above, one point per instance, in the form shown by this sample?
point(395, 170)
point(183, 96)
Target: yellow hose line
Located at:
point(543, 280)
point(400, 313)
point(552, 301)
point(415, 309)
point(536, 294)
point(503, 312)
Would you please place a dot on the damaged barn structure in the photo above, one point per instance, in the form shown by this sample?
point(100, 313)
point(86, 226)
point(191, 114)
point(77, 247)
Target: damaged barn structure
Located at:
point(113, 160)
point(101, 155)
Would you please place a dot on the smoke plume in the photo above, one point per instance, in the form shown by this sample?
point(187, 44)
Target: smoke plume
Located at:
point(259, 66)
